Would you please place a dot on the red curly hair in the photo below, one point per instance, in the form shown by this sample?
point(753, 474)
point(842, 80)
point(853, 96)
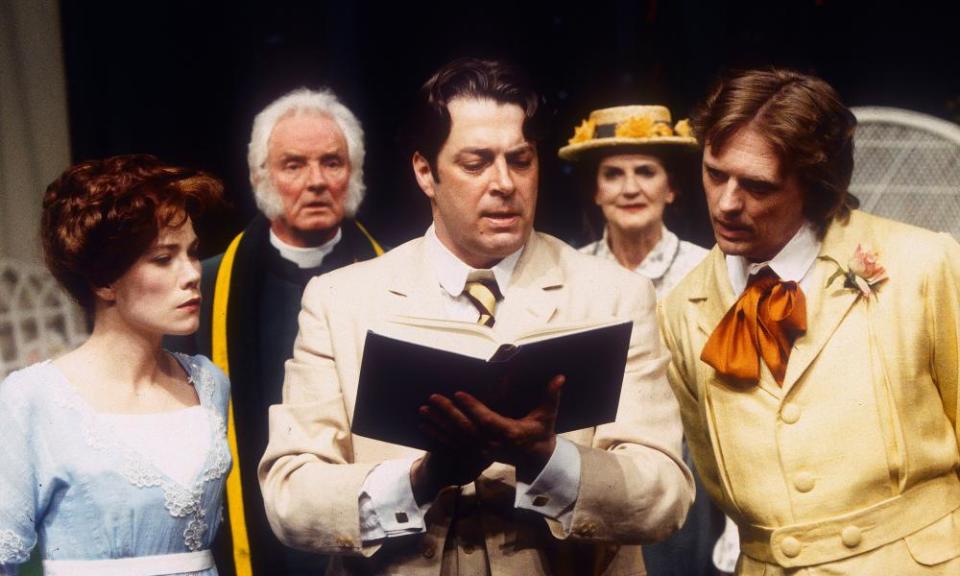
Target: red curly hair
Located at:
point(100, 216)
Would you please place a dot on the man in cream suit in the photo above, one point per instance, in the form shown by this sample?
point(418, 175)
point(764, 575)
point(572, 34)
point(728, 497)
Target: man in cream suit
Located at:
point(815, 350)
point(506, 496)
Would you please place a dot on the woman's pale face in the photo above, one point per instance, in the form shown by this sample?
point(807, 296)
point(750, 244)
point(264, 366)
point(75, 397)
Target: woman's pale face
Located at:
point(160, 293)
point(632, 191)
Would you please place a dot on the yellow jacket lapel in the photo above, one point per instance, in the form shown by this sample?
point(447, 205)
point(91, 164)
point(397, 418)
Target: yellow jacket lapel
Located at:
point(826, 306)
point(715, 295)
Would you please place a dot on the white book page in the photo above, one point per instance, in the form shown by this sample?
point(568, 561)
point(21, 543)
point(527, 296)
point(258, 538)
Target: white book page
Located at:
point(472, 339)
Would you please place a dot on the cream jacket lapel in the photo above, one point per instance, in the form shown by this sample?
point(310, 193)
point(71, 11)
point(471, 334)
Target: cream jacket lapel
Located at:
point(413, 284)
point(535, 290)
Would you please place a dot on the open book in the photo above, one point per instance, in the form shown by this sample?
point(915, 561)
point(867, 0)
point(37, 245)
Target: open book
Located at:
point(412, 358)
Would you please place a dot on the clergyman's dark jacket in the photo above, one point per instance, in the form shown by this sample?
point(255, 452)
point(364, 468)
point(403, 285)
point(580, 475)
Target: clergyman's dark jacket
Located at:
point(262, 310)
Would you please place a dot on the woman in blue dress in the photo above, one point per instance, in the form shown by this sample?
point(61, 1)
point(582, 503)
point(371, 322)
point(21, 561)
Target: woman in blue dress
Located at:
point(114, 454)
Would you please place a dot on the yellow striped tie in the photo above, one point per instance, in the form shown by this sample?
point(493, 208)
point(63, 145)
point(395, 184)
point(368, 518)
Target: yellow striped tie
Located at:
point(482, 291)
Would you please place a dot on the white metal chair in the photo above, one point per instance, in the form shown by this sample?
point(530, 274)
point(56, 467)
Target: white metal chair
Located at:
point(38, 320)
point(907, 167)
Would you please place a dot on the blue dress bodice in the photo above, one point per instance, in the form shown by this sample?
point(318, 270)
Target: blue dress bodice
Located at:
point(69, 481)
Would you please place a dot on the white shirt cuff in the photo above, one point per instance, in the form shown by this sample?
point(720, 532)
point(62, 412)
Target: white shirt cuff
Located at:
point(387, 505)
point(554, 491)
point(726, 551)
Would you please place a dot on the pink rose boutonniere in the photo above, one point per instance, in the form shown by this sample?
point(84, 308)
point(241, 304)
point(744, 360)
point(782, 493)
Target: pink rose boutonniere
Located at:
point(863, 272)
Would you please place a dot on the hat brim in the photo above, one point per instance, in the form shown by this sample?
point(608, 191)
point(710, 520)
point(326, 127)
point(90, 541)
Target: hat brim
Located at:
point(573, 152)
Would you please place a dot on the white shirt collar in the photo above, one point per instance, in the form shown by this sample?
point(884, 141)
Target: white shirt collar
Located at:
point(452, 272)
point(310, 257)
point(792, 263)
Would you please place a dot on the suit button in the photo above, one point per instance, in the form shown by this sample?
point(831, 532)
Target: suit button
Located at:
point(468, 548)
point(851, 536)
point(804, 482)
point(429, 550)
point(790, 547)
point(790, 413)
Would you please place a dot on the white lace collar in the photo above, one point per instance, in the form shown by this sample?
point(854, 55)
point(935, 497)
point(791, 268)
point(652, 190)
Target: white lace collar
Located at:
point(180, 501)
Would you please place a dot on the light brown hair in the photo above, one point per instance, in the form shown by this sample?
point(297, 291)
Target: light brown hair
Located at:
point(802, 118)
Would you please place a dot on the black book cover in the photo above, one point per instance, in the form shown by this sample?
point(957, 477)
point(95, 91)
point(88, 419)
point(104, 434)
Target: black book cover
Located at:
point(397, 377)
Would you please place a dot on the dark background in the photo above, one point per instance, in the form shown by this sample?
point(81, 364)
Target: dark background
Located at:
point(183, 80)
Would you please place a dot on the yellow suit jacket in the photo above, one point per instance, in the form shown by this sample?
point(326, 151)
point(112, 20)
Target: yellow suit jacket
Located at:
point(634, 487)
point(851, 466)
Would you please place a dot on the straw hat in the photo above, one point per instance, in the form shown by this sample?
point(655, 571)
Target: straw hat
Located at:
point(627, 126)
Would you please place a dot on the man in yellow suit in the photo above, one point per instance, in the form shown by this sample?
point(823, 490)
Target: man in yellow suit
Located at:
point(815, 350)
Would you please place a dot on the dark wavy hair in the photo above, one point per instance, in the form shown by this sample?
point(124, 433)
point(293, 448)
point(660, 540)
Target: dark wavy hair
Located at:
point(803, 119)
point(100, 216)
point(470, 78)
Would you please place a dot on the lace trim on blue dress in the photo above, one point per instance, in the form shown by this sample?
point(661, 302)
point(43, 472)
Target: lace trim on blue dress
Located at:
point(12, 548)
point(180, 501)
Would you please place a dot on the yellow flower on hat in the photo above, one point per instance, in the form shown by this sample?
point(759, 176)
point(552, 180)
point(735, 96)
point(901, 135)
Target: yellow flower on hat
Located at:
point(634, 127)
point(661, 129)
point(642, 127)
point(683, 128)
point(584, 132)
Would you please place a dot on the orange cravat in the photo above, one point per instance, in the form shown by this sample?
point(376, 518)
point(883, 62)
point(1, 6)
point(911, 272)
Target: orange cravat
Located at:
point(763, 322)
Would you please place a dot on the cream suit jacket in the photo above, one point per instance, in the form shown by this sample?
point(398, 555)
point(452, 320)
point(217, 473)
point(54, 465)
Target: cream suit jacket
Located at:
point(851, 466)
point(634, 487)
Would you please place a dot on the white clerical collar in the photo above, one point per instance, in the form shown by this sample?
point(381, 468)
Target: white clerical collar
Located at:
point(309, 257)
point(452, 272)
point(792, 263)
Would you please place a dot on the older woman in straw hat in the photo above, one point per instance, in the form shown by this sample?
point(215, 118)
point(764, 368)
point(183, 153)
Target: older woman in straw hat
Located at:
point(635, 162)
